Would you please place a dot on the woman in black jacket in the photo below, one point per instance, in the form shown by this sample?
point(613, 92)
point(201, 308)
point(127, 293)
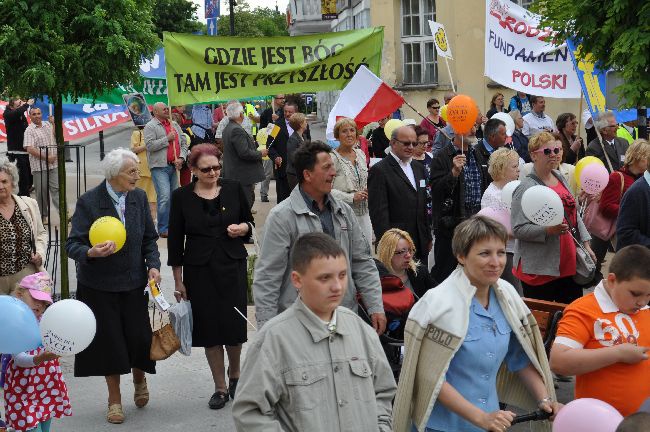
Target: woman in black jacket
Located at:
point(209, 222)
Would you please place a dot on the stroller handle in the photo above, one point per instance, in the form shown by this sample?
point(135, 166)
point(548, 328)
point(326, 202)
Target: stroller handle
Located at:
point(533, 416)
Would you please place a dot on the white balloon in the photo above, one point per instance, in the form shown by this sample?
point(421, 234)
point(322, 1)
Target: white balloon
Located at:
point(68, 327)
point(510, 123)
point(506, 192)
point(542, 206)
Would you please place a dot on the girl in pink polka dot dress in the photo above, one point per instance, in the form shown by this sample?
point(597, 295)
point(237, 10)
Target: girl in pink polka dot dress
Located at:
point(34, 389)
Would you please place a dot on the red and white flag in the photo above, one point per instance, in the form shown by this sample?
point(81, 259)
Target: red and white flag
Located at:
point(365, 99)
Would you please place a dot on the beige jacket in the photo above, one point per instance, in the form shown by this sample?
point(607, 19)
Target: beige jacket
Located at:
point(29, 208)
point(299, 377)
point(435, 330)
point(347, 183)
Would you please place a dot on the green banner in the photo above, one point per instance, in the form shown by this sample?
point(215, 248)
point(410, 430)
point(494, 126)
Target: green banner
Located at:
point(153, 89)
point(201, 69)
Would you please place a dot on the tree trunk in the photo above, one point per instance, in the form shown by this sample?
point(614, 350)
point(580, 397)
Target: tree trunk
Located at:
point(63, 204)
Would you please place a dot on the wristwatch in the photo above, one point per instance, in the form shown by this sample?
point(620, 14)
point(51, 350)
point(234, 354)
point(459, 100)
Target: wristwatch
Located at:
point(546, 399)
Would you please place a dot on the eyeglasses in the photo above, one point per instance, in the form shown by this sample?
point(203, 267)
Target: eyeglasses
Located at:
point(404, 252)
point(435, 107)
point(408, 143)
point(423, 143)
point(132, 172)
point(547, 151)
point(206, 170)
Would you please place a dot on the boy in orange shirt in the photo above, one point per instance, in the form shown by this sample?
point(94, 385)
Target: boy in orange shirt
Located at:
point(603, 337)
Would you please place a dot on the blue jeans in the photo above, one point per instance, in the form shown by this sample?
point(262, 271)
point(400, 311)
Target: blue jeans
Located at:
point(165, 180)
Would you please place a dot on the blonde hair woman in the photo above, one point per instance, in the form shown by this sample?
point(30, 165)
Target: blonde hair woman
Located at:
point(351, 181)
point(567, 170)
point(545, 257)
point(396, 256)
point(503, 167)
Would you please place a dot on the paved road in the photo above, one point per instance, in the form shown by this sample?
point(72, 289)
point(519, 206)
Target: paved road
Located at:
point(182, 387)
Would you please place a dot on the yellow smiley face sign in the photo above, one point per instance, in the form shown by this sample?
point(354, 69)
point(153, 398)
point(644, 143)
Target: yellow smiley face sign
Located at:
point(441, 39)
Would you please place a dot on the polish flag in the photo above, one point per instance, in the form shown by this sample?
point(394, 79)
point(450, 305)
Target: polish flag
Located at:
point(365, 99)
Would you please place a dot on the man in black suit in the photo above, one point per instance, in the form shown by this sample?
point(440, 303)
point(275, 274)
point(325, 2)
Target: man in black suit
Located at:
point(397, 193)
point(241, 159)
point(278, 151)
point(613, 145)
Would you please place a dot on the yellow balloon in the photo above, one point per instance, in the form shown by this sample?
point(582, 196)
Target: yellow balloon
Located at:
point(107, 228)
point(582, 163)
point(261, 137)
point(443, 112)
point(391, 125)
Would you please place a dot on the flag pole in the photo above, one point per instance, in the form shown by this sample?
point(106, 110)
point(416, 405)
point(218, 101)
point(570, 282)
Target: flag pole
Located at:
point(450, 77)
point(427, 119)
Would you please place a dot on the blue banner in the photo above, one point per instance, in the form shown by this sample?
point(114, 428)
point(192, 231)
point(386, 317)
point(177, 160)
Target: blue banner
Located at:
point(594, 83)
point(155, 67)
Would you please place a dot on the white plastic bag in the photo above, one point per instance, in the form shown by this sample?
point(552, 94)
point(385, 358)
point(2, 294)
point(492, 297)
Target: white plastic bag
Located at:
point(180, 315)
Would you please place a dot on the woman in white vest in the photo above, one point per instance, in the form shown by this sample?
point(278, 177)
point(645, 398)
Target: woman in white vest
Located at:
point(471, 343)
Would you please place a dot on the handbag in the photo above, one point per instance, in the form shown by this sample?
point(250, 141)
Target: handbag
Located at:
point(164, 341)
point(598, 224)
point(585, 265)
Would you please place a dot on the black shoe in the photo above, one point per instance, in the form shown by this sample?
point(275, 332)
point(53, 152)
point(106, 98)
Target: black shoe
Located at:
point(265, 199)
point(232, 387)
point(218, 400)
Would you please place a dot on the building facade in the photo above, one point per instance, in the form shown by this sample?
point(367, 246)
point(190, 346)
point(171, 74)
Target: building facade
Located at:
point(409, 61)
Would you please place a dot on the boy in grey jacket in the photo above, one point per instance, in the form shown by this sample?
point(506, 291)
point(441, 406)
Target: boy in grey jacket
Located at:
point(317, 366)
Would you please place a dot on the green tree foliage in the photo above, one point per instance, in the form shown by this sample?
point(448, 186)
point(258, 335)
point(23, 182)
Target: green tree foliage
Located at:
point(615, 32)
point(175, 16)
point(71, 47)
point(258, 22)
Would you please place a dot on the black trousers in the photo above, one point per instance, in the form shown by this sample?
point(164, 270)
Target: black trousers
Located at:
point(282, 188)
point(25, 178)
point(563, 290)
point(445, 260)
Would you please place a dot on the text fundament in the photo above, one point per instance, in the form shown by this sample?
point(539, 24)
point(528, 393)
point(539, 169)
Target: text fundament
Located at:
point(521, 56)
point(202, 69)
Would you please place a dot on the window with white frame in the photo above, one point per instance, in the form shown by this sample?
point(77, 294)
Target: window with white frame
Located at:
point(362, 19)
point(418, 52)
point(523, 3)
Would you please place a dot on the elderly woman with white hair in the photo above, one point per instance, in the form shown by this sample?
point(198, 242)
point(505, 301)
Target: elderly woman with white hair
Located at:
point(23, 239)
point(111, 282)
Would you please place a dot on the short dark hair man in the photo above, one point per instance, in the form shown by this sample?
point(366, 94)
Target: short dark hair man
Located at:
point(317, 365)
point(311, 208)
point(15, 124)
point(494, 137)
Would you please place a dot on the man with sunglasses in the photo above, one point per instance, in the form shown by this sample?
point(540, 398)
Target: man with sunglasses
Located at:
point(397, 193)
point(611, 150)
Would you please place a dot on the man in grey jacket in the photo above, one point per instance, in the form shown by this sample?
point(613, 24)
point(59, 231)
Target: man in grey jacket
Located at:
point(241, 159)
point(316, 366)
point(166, 152)
point(311, 208)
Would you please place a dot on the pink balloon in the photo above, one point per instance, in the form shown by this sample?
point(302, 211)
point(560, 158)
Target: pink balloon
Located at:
point(594, 178)
point(500, 215)
point(587, 415)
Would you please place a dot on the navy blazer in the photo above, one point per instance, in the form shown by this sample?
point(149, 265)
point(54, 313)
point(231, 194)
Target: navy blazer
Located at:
point(126, 269)
point(193, 239)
